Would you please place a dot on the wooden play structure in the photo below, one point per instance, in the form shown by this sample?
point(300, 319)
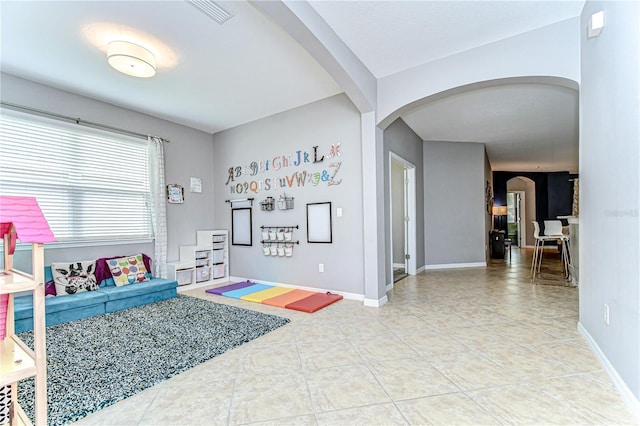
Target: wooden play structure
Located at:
point(21, 218)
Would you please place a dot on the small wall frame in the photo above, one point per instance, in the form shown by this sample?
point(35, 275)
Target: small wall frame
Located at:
point(319, 226)
point(175, 194)
point(241, 226)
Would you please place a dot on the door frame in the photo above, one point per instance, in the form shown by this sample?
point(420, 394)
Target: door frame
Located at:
point(410, 215)
point(522, 229)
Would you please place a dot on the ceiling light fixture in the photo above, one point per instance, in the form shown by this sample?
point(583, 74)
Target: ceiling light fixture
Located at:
point(131, 59)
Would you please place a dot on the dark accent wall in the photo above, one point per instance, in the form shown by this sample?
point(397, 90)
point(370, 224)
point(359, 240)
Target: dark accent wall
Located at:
point(554, 193)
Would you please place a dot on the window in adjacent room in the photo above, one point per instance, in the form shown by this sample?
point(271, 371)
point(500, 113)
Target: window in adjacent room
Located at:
point(92, 185)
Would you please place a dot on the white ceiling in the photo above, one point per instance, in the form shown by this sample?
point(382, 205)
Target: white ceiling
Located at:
point(213, 77)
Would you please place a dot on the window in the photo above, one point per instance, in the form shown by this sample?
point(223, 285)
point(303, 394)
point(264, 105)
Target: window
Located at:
point(91, 185)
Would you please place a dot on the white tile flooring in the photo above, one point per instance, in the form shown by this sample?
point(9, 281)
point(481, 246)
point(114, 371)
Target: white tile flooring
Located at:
point(475, 346)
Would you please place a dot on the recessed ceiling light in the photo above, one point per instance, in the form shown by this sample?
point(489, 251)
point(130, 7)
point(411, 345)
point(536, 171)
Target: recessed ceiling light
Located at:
point(131, 59)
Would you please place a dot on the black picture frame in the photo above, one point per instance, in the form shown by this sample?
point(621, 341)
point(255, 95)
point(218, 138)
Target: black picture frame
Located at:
point(241, 226)
point(319, 223)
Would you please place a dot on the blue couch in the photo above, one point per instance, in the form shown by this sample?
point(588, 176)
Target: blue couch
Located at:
point(108, 298)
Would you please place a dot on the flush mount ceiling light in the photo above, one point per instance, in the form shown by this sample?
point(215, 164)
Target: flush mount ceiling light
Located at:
point(131, 59)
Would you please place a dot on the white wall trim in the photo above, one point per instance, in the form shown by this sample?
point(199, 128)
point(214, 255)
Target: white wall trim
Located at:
point(390, 286)
point(376, 303)
point(628, 397)
point(456, 265)
point(420, 269)
point(192, 286)
point(346, 295)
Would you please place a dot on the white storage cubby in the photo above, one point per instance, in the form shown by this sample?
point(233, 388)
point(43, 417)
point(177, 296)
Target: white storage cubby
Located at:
point(218, 240)
point(206, 262)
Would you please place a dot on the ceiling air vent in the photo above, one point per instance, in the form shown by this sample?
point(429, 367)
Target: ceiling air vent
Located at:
point(212, 10)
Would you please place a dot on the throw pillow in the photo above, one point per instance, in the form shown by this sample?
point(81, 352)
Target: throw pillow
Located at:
point(74, 277)
point(128, 270)
point(103, 270)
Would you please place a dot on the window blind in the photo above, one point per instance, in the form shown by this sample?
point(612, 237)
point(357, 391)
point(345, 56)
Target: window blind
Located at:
point(91, 185)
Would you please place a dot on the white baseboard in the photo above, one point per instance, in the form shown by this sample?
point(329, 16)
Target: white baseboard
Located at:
point(632, 403)
point(456, 265)
point(183, 288)
point(389, 287)
point(376, 303)
point(420, 269)
point(346, 295)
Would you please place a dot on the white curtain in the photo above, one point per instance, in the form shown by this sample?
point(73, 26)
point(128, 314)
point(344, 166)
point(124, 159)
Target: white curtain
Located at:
point(158, 206)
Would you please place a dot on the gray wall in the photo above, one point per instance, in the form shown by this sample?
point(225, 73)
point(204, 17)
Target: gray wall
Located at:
point(190, 153)
point(404, 142)
point(609, 187)
point(330, 121)
point(397, 211)
point(455, 211)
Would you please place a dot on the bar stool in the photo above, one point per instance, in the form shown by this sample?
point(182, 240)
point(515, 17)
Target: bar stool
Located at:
point(538, 250)
point(553, 228)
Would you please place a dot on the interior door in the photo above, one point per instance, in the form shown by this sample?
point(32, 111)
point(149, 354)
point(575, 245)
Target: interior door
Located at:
point(515, 230)
point(519, 218)
point(406, 218)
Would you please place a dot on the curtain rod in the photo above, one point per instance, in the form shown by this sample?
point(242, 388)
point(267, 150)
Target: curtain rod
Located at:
point(78, 120)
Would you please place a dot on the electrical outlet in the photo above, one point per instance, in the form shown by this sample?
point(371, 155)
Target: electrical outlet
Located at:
point(321, 267)
point(606, 314)
point(339, 212)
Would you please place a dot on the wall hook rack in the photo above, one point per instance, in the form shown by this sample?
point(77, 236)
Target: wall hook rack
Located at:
point(239, 200)
point(280, 226)
point(269, 242)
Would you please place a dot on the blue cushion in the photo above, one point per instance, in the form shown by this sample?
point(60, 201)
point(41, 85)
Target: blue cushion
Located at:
point(109, 282)
point(130, 302)
point(23, 305)
point(60, 317)
point(137, 289)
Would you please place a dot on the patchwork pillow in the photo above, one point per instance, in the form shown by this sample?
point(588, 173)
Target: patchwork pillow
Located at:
point(103, 272)
point(74, 277)
point(128, 270)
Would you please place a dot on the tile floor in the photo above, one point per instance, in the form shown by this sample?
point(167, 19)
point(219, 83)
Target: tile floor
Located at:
point(475, 346)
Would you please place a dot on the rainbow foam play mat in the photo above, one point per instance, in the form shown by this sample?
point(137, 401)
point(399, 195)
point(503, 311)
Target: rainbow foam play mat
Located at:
point(299, 300)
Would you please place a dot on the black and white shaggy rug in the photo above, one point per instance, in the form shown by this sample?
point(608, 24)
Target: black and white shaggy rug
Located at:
point(95, 362)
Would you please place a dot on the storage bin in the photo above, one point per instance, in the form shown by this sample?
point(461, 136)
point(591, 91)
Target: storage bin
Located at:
point(203, 274)
point(184, 276)
point(219, 271)
point(218, 246)
point(202, 254)
point(218, 256)
point(202, 262)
